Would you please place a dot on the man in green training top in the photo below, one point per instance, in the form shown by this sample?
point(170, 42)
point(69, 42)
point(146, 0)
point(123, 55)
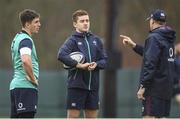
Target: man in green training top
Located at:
point(23, 87)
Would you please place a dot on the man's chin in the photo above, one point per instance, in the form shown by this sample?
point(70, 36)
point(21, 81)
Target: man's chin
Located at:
point(36, 31)
point(86, 30)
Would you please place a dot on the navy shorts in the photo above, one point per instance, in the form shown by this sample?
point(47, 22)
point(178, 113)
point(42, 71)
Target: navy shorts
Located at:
point(82, 99)
point(23, 100)
point(153, 106)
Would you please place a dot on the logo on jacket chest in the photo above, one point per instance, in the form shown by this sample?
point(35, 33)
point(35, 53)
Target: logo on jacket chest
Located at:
point(95, 43)
point(79, 43)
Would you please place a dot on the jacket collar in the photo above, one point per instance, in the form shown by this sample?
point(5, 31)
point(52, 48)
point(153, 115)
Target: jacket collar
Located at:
point(77, 34)
point(157, 28)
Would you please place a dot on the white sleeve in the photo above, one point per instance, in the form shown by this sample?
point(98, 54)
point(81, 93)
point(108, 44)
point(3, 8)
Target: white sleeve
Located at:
point(25, 50)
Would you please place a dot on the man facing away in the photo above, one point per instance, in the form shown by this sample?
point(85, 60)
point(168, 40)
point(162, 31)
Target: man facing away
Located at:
point(157, 72)
point(83, 79)
point(139, 50)
point(23, 87)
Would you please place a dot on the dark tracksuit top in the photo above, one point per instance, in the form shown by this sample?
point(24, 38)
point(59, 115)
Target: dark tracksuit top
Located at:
point(92, 48)
point(176, 90)
point(139, 50)
point(157, 72)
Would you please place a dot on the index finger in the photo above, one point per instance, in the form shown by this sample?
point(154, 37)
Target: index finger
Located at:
point(123, 36)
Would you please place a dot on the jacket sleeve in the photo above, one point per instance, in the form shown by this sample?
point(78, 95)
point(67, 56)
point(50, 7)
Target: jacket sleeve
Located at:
point(139, 49)
point(102, 60)
point(176, 72)
point(64, 51)
point(176, 76)
point(150, 61)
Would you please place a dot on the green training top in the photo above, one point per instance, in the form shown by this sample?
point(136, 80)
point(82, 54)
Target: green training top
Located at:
point(19, 78)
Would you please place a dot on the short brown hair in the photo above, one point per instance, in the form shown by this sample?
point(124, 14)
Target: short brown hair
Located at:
point(78, 13)
point(28, 15)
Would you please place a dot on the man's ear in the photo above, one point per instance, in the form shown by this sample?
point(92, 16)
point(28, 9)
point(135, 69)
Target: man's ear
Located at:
point(153, 21)
point(74, 24)
point(27, 24)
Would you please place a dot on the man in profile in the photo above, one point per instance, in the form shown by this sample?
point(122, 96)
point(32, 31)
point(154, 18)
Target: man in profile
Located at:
point(23, 87)
point(157, 73)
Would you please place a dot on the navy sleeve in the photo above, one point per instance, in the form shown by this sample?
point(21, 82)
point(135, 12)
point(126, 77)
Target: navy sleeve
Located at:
point(139, 49)
point(150, 61)
point(64, 51)
point(177, 70)
point(102, 61)
point(177, 76)
point(25, 43)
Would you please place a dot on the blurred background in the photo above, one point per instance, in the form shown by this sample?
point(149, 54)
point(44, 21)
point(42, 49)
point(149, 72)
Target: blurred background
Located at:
point(109, 19)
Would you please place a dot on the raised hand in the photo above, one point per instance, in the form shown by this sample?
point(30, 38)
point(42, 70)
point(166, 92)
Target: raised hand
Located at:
point(127, 41)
